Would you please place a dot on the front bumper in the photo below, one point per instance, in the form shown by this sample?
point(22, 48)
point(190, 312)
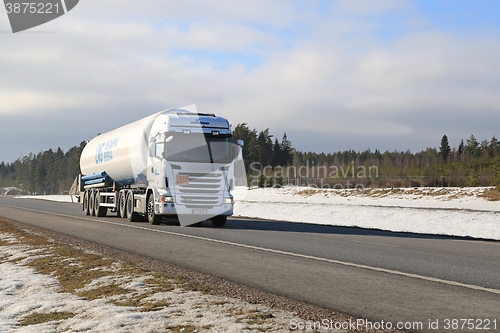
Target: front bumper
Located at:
point(170, 208)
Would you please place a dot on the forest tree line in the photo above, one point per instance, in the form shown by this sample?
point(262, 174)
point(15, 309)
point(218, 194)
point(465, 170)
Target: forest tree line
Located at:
point(471, 163)
point(259, 147)
point(49, 172)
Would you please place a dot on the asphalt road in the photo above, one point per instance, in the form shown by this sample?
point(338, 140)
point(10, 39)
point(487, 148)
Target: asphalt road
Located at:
point(401, 278)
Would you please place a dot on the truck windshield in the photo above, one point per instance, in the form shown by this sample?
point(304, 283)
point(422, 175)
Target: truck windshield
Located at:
point(199, 148)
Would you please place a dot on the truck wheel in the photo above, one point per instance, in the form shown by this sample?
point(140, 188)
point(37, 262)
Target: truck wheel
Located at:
point(152, 217)
point(92, 203)
point(219, 221)
point(86, 203)
point(131, 215)
point(118, 203)
point(99, 211)
point(122, 204)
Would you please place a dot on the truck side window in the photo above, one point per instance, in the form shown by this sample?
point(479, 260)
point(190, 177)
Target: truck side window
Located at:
point(160, 149)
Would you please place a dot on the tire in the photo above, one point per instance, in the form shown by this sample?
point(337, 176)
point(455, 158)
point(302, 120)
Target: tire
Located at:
point(92, 203)
point(99, 211)
point(118, 203)
point(219, 221)
point(122, 204)
point(131, 215)
point(86, 209)
point(152, 217)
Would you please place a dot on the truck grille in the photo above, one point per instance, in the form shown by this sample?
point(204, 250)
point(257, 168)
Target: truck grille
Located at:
point(203, 190)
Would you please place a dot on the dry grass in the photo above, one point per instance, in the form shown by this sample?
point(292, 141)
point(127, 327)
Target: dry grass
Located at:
point(442, 193)
point(138, 300)
point(308, 193)
point(182, 328)
point(71, 277)
point(39, 318)
point(6, 226)
point(236, 312)
point(258, 318)
point(103, 291)
point(160, 282)
point(491, 195)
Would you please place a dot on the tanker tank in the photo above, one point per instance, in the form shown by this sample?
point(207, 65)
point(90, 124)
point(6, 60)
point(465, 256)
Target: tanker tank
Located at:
point(122, 153)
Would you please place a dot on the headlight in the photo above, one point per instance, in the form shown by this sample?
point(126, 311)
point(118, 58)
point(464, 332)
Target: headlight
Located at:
point(228, 201)
point(167, 199)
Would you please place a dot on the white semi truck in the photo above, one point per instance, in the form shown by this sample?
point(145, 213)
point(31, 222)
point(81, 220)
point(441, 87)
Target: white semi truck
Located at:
point(173, 163)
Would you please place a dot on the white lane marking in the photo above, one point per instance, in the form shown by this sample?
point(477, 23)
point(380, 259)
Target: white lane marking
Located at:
point(333, 261)
point(354, 241)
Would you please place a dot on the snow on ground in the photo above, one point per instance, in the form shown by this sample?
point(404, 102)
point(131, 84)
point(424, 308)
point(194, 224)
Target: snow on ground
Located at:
point(461, 212)
point(440, 211)
point(59, 198)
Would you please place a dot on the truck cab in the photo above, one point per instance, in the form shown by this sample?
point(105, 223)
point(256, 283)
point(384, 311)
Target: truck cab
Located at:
point(190, 173)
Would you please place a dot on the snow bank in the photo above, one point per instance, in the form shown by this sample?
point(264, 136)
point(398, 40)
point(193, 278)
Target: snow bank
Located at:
point(454, 212)
point(59, 198)
point(470, 198)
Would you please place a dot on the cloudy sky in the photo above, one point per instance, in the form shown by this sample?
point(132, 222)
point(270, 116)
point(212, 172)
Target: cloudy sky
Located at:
point(333, 75)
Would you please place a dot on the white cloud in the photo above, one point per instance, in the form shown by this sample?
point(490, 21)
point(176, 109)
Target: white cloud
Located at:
point(275, 13)
point(19, 103)
point(372, 7)
point(217, 37)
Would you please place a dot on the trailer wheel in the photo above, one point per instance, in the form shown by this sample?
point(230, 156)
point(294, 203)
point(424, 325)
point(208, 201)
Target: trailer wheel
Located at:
point(86, 209)
point(122, 204)
point(99, 211)
point(92, 203)
point(219, 221)
point(118, 204)
point(152, 217)
point(131, 215)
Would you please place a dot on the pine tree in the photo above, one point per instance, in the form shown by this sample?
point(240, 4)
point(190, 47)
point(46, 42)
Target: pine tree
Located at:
point(461, 147)
point(494, 146)
point(472, 146)
point(276, 159)
point(250, 149)
point(445, 149)
point(265, 147)
point(286, 151)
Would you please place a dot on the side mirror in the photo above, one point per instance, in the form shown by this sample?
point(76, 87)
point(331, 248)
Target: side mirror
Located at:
point(234, 152)
point(152, 146)
point(152, 149)
point(240, 143)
